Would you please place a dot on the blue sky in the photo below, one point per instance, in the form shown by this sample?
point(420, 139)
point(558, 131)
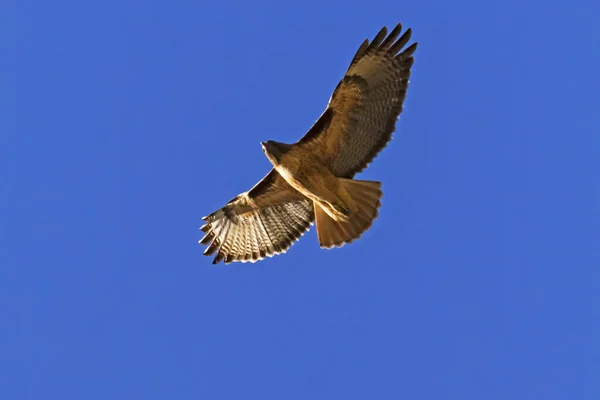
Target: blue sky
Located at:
point(123, 123)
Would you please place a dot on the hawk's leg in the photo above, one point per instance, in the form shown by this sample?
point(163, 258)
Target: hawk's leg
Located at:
point(341, 209)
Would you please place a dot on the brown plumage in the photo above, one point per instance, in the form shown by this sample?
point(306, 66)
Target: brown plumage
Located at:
point(312, 178)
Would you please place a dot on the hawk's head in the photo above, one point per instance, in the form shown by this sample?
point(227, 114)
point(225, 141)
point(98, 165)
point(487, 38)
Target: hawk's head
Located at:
point(275, 150)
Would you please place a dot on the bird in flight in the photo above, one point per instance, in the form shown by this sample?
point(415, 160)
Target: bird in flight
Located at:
point(311, 180)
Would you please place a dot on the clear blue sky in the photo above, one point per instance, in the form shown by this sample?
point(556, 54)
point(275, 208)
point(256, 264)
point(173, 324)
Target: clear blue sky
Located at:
point(122, 123)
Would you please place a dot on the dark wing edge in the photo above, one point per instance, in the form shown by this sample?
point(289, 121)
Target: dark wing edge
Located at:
point(265, 221)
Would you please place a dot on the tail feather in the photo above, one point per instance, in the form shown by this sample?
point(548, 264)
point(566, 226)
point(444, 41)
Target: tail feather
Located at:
point(366, 195)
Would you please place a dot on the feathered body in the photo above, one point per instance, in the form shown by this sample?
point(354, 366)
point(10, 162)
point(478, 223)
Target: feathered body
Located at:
point(306, 169)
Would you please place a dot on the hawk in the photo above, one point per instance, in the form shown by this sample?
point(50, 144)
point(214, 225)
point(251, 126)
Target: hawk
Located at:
point(311, 180)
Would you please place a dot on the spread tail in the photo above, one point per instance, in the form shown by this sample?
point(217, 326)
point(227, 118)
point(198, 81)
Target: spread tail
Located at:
point(366, 195)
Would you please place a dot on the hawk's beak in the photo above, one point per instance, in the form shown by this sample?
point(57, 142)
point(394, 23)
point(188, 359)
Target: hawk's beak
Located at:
point(263, 145)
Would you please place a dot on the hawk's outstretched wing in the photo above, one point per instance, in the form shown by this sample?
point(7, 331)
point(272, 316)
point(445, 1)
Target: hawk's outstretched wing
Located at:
point(362, 112)
point(262, 222)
